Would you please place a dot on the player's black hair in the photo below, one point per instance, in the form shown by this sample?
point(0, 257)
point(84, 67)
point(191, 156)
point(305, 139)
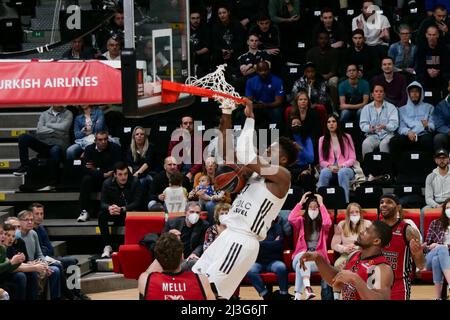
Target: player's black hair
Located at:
point(290, 148)
point(383, 231)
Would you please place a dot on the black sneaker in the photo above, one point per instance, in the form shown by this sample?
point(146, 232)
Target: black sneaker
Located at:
point(21, 171)
point(82, 296)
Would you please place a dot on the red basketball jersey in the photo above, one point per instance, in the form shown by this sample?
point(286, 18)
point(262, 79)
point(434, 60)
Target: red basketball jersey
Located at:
point(365, 269)
point(399, 256)
point(174, 286)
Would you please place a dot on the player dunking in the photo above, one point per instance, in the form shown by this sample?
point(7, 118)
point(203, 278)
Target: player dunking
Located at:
point(228, 259)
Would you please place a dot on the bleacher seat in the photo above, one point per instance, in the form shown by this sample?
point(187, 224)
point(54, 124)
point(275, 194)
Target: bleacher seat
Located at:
point(333, 197)
point(12, 34)
point(377, 164)
point(430, 214)
point(368, 196)
point(410, 196)
point(413, 167)
point(132, 258)
point(294, 196)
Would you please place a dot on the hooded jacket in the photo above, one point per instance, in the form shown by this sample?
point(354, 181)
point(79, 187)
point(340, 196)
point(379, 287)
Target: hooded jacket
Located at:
point(437, 188)
point(411, 114)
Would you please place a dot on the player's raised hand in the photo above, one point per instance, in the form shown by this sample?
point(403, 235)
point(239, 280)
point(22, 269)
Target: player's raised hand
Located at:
point(249, 108)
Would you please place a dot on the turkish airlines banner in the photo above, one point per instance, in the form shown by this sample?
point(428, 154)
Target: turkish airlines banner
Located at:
point(39, 83)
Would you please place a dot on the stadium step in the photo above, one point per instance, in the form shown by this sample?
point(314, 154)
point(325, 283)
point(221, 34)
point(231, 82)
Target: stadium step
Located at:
point(9, 182)
point(59, 248)
point(104, 265)
point(20, 120)
point(10, 150)
point(70, 227)
point(106, 281)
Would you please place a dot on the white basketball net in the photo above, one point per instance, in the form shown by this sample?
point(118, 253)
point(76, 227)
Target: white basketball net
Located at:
point(215, 81)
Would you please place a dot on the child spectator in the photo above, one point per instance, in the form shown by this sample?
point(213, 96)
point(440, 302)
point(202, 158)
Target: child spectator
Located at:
point(175, 196)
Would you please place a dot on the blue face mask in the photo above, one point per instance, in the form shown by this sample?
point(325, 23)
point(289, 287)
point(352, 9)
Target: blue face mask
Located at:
point(18, 234)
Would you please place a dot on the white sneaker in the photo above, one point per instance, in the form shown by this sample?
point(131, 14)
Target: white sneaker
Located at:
point(107, 252)
point(309, 293)
point(84, 216)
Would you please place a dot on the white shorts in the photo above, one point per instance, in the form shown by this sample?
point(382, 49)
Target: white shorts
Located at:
point(227, 260)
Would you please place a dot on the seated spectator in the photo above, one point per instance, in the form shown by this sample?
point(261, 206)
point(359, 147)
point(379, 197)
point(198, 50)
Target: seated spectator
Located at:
point(430, 5)
point(310, 219)
point(31, 239)
point(120, 193)
point(437, 183)
point(346, 232)
point(286, 15)
point(433, 65)
point(441, 117)
point(175, 195)
point(270, 259)
point(167, 267)
point(416, 123)
point(200, 44)
point(379, 121)
point(247, 61)
point(326, 60)
point(85, 126)
point(437, 244)
point(302, 171)
point(377, 35)
point(317, 90)
point(354, 94)
point(11, 285)
point(214, 230)
point(362, 55)
point(247, 11)
point(115, 28)
point(140, 157)
point(188, 142)
point(51, 139)
point(191, 231)
point(22, 282)
point(228, 41)
point(162, 63)
point(114, 47)
point(336, 156)
point(78, 51)
point(404, 52)
point(266, 90)
point(269, 40)
point(439, 19)
point(393, 82)
point(337, 34)
point(98, 164)
point(47, 250)
point(161, 182)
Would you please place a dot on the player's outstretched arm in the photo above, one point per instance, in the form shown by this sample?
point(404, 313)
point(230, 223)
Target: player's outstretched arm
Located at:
point(327, 271)
point(246, 154)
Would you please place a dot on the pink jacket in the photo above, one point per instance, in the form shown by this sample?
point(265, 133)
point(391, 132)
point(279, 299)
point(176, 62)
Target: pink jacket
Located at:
point(347, 161)
point(297, 222)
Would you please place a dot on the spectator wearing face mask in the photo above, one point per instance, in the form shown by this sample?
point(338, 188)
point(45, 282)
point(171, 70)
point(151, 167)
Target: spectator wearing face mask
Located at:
point(312, 224)
point(191, 231)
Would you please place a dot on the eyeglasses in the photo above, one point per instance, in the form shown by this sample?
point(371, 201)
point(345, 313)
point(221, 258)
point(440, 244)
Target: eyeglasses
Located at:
point(27, 220)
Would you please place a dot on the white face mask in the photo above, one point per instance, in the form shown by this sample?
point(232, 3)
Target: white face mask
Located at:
point(222, 218)
point(355, 219)
point(447, 212)
point(313, 213)
point(193, 218)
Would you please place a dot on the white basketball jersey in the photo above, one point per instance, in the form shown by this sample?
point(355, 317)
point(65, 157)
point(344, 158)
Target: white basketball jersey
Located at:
point(175, 199)
point(254, 209)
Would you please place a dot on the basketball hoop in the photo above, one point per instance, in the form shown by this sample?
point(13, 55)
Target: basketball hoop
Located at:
point(213, 85)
